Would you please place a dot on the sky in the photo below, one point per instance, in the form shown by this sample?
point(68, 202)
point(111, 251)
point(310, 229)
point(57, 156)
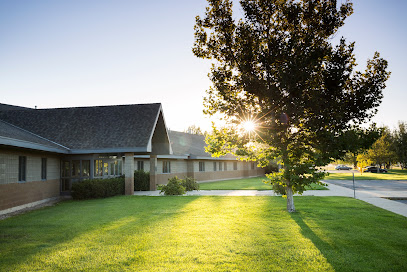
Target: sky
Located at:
point(71, 53)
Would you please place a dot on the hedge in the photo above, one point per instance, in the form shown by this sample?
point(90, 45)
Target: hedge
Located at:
point(141, 180)
point(97, 188)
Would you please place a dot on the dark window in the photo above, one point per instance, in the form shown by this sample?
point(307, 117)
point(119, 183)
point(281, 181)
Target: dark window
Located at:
point(225, 166)
point(76, 168)
point(120, 167)
point(66, 167)
point(22, 166)
point(253, 165)
point(234, 165)
point(214, 165)
point(220, 166)
point(140, 165)
point(85, 168)
point(116, 168)
point(43, 168)
point(166, 167)
point(112, 168)
point(201, 166)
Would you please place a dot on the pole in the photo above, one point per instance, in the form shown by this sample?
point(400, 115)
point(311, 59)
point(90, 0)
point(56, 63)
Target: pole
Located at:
point(354, 193)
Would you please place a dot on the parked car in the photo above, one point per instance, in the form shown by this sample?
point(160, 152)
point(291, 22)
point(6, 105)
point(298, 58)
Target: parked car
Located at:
point(343, 167)
point(374, 169)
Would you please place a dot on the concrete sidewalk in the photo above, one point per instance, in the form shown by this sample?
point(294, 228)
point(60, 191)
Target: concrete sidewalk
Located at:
point(376, 198)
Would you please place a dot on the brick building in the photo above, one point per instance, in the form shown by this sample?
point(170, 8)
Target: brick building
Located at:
point(43, 151)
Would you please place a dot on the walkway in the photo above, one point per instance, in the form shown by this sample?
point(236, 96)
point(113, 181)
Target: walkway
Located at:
point(376, 198)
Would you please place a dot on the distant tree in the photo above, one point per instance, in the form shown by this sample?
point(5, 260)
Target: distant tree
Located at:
point(194, 130)
point(400, 142)
point(278, 68)
point(382, 151)
point(357, 140)
point(363, 160)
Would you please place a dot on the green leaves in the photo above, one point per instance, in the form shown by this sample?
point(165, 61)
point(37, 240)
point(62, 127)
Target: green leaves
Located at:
point(278, 59)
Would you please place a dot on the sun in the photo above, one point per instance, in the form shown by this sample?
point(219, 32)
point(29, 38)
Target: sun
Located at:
point(249, 126)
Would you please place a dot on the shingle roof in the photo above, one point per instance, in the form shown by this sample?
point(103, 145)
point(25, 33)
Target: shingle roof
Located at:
point(190, 145)
point(5, 107)
point(19, 137)
point(90, 128)
point(185, 144)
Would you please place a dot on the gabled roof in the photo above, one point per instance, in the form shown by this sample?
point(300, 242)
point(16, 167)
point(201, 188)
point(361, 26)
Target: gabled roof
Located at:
point(192, 145)
point(122, 128)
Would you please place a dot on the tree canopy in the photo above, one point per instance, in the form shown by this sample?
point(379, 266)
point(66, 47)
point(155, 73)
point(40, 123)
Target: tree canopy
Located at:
point(278, 67)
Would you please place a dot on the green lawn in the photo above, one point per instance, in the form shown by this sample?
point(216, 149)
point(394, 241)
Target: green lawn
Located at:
point(391, 175)
point(129, 233)
point(245, 184)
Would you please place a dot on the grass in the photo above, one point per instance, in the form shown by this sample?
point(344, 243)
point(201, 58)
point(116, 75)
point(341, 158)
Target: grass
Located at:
point(391, 175)
point(128, 233)
point(255, 183)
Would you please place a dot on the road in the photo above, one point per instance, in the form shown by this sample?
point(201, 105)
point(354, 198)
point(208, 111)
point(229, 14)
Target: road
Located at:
point(373, 185)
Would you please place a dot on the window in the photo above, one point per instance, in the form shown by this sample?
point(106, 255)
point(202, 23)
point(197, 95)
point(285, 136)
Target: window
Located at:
point(220, 166)
point(43, 168)
point(253, 165)
point(98, 168)
point(106, 169)
point(120, 167)
point(225, 166)
point(166, 167)
point(140, 165)
point(112, 168)
point(234, 165)
point(214, 166)
point(76, 168)
point(85, 168)
point(22, 166)
point(66, 167)
point(201, 166)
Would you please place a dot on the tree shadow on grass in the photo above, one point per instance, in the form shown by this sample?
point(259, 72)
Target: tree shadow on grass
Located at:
point(353, 235)
point(70, 229)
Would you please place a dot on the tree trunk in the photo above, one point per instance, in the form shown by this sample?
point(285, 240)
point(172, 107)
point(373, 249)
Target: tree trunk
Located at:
point(290, 199)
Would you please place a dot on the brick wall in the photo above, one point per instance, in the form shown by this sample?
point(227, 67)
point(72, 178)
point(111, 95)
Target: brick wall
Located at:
point(14, 193)
point(244, 169)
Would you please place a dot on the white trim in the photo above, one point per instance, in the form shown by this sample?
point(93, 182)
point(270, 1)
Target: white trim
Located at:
point(160, 111)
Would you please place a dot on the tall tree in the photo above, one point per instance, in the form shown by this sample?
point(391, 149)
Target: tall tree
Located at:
point(400, 141)
point(277, 66)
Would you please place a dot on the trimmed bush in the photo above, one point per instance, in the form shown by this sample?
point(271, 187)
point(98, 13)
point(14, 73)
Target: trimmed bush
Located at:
point(173, 187)
point(97, 188)
point(176, 186)
point(190, 184)
point(141, 180)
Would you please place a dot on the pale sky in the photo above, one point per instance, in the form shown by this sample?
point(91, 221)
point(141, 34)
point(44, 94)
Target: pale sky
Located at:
point(57, 53)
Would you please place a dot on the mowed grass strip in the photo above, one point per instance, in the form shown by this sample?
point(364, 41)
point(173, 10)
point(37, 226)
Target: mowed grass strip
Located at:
point(391, 175)
point(255, 183)
point(205, 234)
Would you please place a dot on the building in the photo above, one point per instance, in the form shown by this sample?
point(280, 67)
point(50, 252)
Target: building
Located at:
point(43, 151)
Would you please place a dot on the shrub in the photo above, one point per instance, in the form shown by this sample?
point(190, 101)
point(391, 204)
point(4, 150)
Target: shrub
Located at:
point(173, 187)
point(97, 188)
point(190, 184)
point(141, 180)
